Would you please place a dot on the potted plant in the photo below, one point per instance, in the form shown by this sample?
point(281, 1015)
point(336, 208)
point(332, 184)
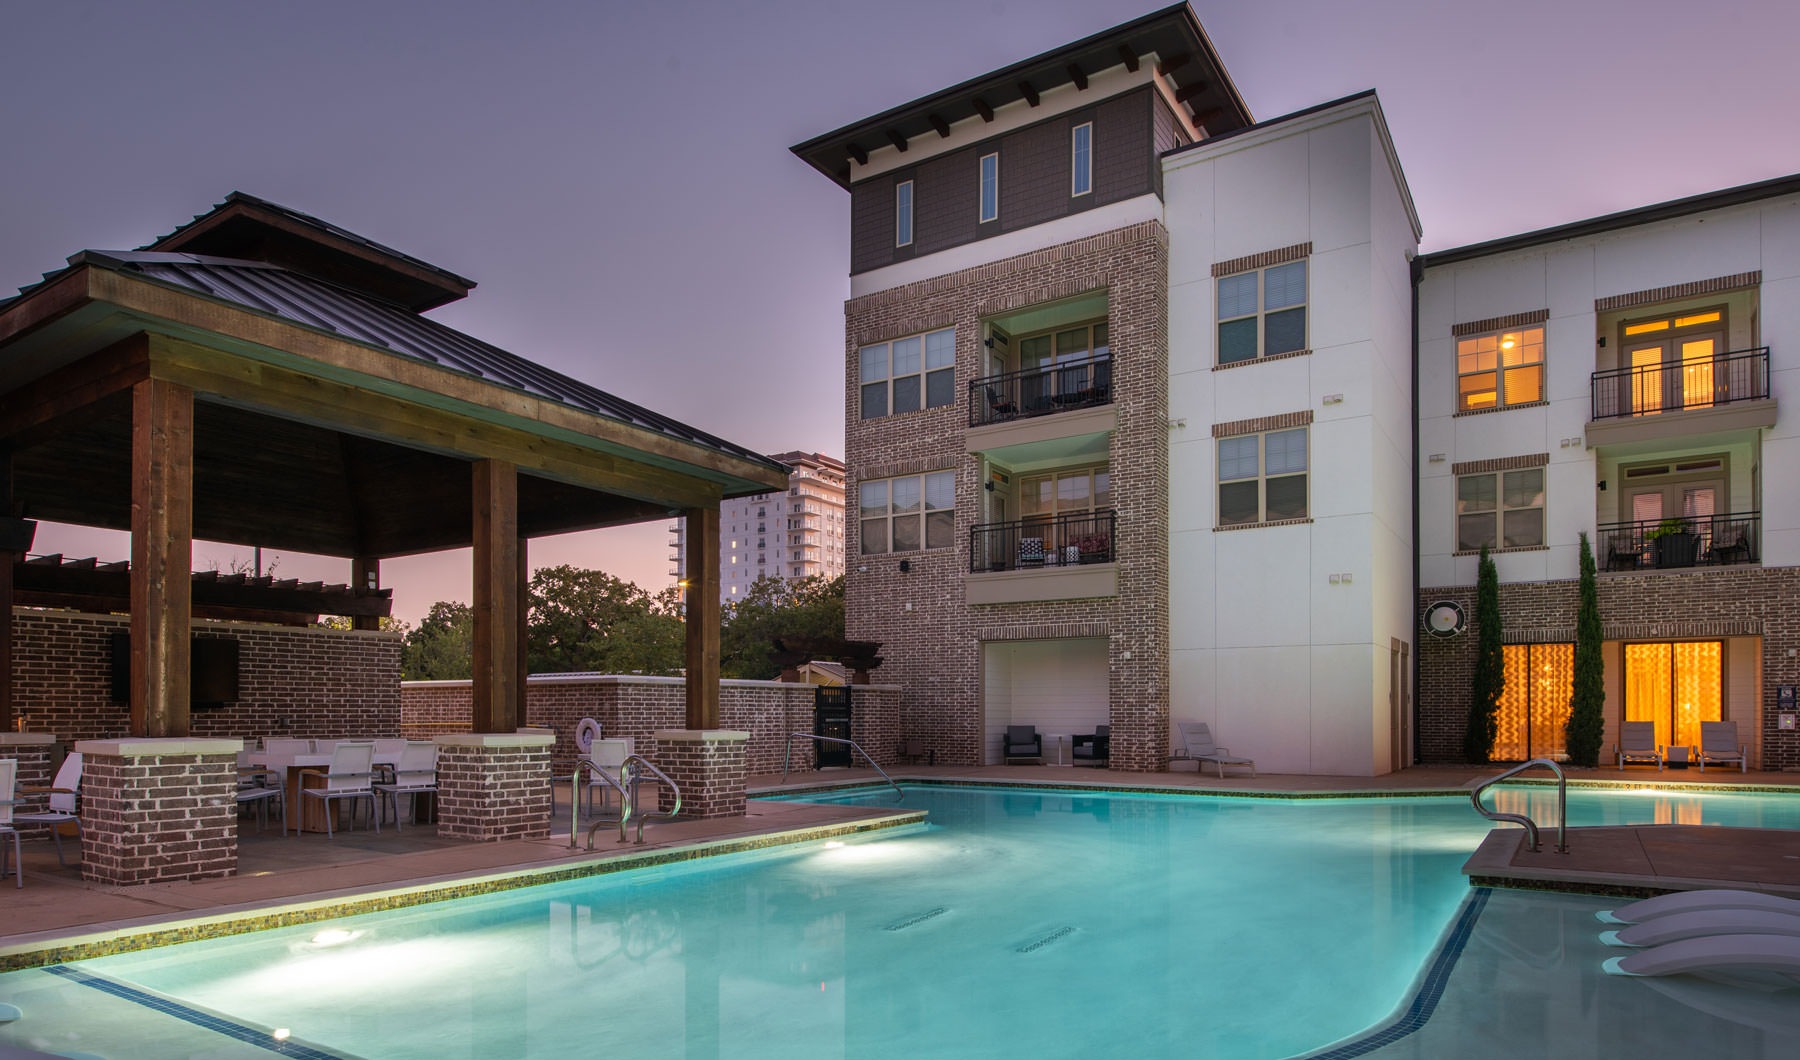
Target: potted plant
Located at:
point(1675, 545)
point(1094, 548)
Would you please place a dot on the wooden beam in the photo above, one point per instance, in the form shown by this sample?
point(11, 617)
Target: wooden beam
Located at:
point(41, 408)
point(702, 598)
point(162, 545)
point(982, 108)
point(1202, 117)
point(340, 406)
point(1129, 57)
point(495, 662)
point(365, 576)
point(1030, 94)
point(1078, 77)
point(1187, 92)
point(861, 156)
point(897, 140)
point(1173, 63)
point(938, 123)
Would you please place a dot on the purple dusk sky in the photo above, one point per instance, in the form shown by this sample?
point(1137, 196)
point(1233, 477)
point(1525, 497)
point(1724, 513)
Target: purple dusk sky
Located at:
point(617, 177)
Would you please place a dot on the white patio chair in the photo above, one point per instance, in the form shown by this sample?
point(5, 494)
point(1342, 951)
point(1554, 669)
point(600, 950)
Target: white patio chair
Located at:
point(415, 775)
point(607, 756)
point(65, 793)
point(286, 745)
point(1637, 743)
point(261, 787)
point(1719, 743)
point(348, 777)
point(1197, 746)
point(9, 770)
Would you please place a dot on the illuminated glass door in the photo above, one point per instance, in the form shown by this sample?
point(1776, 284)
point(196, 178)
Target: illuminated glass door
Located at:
point(1672, 361)
point(1676, 686)
point(1533, 718)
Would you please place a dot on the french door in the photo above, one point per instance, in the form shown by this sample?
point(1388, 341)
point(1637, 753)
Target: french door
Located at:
point(1534, 709)
point(1672, 361)
point(1677, 686)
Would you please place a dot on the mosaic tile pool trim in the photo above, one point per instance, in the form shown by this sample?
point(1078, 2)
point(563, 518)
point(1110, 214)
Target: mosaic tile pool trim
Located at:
point(1430, 988)
point(1101, 787)
point(61, 951)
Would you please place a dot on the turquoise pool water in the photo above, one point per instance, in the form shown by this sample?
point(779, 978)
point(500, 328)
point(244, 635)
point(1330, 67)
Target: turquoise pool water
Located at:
point(1027, 924)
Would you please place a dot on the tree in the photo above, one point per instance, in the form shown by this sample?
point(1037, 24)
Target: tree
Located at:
point(441, 648)
point(589, 621)
point(1490, 665)
point(1587, 706)
point(809, 608)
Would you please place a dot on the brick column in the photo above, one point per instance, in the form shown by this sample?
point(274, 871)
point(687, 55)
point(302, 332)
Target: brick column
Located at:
point(32, 749)
point(494, 786)
point(708, 765)
point(157, 809)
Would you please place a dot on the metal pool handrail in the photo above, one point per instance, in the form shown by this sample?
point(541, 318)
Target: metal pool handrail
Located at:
point(788, 750)
point(626, 784)
point(1531, 830)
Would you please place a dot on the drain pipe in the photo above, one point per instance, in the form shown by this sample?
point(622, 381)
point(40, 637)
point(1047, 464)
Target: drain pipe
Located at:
point(1417, 269)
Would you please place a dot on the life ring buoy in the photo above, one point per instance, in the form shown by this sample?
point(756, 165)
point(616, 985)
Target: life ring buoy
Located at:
point(587, 730)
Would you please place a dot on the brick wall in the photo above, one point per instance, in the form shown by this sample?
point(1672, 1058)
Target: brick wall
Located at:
point(493, 792)
point(934, 652)
point(1694, 605)
point(291, 681)
point(636, 707)
point(708, 768)
point(149, 818)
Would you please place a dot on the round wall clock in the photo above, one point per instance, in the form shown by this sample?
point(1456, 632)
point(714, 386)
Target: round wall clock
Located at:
point(1444, 619)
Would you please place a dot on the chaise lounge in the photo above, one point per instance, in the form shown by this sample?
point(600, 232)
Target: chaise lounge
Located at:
point(1197, 746)
point(1637, 743)
point(1719, 744)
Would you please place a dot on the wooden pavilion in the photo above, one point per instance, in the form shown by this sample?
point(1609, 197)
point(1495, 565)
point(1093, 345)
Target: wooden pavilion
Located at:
point(265, 378)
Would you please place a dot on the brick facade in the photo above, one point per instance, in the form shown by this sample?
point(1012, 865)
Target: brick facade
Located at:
point(292, 681)
point(934, 652)
point(157, 810)
point(494, 786)
point(708, 769)
point(637, 707)
point(1693, 605)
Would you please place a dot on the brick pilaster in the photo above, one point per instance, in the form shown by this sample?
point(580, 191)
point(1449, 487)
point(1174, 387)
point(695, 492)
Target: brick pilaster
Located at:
point(154, 810)
point(494, 786)
point(709, 768)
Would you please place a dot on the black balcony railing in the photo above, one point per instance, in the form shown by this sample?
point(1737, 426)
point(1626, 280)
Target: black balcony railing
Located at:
point(1741, 375)
point(1033, 544)
point(1701, 541)
point(1040, 391)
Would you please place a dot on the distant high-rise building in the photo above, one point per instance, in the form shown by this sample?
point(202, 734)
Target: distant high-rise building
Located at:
point(790, 535)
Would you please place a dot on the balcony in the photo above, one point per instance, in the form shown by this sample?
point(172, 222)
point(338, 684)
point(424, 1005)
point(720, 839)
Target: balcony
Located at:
point(1671, 544)
point(1714, 395)
point(1040, 391)
point(1034, 544)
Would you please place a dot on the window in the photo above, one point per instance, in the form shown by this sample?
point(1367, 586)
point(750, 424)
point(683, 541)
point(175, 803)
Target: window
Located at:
point(908, 374)
point(1500, 509)
point(1081, 157)
point(1499, 369)
point(990, 187)
point(1262, 477)
point(903, 213)
point(1534, 707)
point(906, 514)
point(1262, 313)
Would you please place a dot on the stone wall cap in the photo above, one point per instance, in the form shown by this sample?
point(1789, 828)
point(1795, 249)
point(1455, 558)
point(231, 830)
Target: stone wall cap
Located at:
point(25, 739)
point(142, 746)
point(700, 735)
point(495, 739)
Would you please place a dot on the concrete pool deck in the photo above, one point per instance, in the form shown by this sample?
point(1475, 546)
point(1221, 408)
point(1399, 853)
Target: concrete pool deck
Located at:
point(284, 878)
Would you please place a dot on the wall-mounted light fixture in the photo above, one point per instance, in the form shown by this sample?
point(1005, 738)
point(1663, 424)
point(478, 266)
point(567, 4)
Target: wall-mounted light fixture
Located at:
point(905, 565)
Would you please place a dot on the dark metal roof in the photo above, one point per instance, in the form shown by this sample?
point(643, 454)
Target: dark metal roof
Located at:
point(1663, 211)
point(1174, 34)
point(313, 303)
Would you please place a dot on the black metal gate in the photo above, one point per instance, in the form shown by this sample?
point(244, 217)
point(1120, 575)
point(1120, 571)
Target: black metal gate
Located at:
point(831, 717)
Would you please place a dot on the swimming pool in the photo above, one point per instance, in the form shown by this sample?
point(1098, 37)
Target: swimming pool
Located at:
point(1018, 923)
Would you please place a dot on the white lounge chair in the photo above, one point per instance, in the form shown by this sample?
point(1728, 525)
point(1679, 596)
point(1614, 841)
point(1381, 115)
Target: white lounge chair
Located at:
point(1662, 905)
point(9, 770)
point(261, 787)
point(65, 793)
point(1719, 743)
point(607, 756)
point(1197, 746)
point(348, 777)
point(1700, 923)
point(1637, 743)
point(1728, 955)
point(415, 775)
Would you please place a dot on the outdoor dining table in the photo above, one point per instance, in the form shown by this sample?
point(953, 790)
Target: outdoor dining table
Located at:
point(311, 817)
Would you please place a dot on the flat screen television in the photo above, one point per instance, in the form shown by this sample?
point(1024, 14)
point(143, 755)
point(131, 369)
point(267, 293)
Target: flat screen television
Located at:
point(212, 670)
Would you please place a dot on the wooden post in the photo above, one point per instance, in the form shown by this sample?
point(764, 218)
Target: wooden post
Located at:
point(365, 574)
point(702, 600)
point(524, 626)
point(496, 591)
point(162, 546)
point(7, 721)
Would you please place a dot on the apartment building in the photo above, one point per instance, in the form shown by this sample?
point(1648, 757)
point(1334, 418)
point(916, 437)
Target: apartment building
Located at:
point(1142, 430)
point(790, 535)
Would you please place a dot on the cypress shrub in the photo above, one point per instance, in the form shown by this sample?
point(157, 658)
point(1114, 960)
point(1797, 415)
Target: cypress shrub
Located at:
point(1490, 666)
point(1587, 721)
